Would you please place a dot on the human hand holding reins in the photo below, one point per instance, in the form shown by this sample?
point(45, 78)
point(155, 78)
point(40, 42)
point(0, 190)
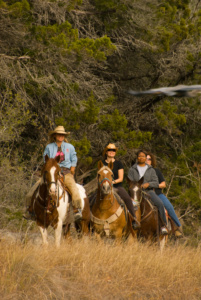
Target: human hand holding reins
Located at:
point(145, 185)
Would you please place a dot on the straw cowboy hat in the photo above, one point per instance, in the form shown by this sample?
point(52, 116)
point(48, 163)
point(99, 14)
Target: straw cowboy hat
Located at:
point(59, 130)
point(109, 146)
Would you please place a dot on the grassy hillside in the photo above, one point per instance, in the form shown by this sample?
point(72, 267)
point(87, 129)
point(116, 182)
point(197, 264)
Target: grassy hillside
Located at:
point(85, 269)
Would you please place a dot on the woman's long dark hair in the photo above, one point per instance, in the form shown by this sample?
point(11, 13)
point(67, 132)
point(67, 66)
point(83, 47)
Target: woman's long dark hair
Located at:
point(153, 159)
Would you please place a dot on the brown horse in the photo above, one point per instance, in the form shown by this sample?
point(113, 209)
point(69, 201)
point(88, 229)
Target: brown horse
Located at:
point(148, 214)
point(109, 217)
point(51, 202)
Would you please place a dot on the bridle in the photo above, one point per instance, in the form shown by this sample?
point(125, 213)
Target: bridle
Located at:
point(50, 196)
point(105, 180)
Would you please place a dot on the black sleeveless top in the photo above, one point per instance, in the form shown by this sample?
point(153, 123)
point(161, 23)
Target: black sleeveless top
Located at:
point(117, 165)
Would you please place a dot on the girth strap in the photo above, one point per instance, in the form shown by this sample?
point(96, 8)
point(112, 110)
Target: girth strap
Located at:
point(107, 222)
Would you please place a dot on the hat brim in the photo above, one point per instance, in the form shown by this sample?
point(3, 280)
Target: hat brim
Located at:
point(58, 132)
point(106, 149)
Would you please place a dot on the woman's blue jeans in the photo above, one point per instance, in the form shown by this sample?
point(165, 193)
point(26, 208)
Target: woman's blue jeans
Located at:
point(170, 209)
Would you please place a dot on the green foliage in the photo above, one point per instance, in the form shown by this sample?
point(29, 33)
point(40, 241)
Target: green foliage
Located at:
point(169, 118)
point(83, 147)
point(91, 110)
point(65, 37)
point(15, 115)
point(72, 117)
point(117, 126)
point(73, 76)
point(112, 13)
point(17, 8)
point(177, 24)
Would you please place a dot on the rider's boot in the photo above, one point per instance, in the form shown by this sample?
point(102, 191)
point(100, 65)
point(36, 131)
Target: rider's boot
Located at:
point(135, 223)
point(178, 233)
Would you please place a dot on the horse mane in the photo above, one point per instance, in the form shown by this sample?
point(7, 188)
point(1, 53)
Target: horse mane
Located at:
point(48, 164)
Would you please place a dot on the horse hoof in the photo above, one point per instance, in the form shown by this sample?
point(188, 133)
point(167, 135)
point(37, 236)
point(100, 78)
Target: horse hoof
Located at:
point(164, 231)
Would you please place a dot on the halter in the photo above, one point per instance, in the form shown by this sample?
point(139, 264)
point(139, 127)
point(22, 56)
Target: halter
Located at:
point(105, 179)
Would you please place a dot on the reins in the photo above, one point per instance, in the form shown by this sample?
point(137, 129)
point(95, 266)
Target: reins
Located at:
point(150, 204)
point(143, 193)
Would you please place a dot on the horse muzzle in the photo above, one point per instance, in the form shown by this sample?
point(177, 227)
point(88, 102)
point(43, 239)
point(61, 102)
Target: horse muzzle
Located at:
point(106, 188)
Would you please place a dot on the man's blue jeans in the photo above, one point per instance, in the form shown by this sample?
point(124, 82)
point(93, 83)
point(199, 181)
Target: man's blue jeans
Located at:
point(170, 209)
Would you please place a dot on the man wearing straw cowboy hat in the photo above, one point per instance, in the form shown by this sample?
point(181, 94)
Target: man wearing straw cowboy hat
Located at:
point(68, 160)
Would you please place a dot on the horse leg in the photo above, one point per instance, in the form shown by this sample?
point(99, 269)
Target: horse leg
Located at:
point(44, 235)
point(97, 236)
point(66, 230)
point(163, 241)
point(58, 231)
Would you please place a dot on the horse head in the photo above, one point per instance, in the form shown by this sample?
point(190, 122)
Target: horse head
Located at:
point(51, 173)
point(135, 189)
point(105, 177)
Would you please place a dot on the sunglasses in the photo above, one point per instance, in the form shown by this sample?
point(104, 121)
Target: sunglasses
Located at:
point(114, 150)
point(148, 158)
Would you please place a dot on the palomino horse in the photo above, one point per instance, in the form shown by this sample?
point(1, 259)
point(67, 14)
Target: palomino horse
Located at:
point(51, 202)
point(109, 217)
point(149, 215)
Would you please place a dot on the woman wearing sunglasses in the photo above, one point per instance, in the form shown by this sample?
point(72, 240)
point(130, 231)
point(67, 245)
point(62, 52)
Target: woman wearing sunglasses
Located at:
point(151, 160)
point(109, 154)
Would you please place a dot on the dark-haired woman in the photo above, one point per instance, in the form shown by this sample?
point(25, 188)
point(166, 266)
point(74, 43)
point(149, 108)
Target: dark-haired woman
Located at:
point(151, 160)
point(150, 182)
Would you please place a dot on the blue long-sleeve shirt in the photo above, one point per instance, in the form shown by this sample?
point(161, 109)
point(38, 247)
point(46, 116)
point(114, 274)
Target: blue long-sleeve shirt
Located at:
point(70, 156)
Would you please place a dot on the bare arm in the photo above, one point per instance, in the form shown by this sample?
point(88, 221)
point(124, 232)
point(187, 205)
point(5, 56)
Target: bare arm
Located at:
point(162, 185)
point(120, 177)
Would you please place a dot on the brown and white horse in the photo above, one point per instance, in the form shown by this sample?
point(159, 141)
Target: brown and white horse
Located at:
point(148, 215)
point(108, 217)
point(51, 202)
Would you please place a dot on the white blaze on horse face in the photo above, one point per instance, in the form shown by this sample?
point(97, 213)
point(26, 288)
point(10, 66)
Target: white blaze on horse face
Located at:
point(52, 176)
point(135, 193)
point(106, 187)
point(105, 172)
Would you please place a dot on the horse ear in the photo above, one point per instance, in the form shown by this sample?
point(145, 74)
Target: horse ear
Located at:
point(141, 180)
point(57, 159)
point(100, 164)
point(110, 165)
point(46, 158)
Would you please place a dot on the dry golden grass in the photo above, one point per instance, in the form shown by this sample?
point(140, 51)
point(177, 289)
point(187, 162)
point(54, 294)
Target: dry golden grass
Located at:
point(85, 269)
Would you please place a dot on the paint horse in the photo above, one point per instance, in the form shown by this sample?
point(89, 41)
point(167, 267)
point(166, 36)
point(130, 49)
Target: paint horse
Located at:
point(51, 202)
point(109, 217)
point(148, 214)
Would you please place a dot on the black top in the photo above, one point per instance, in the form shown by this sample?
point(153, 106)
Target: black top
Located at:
point(161, 178)
point(117, 165)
